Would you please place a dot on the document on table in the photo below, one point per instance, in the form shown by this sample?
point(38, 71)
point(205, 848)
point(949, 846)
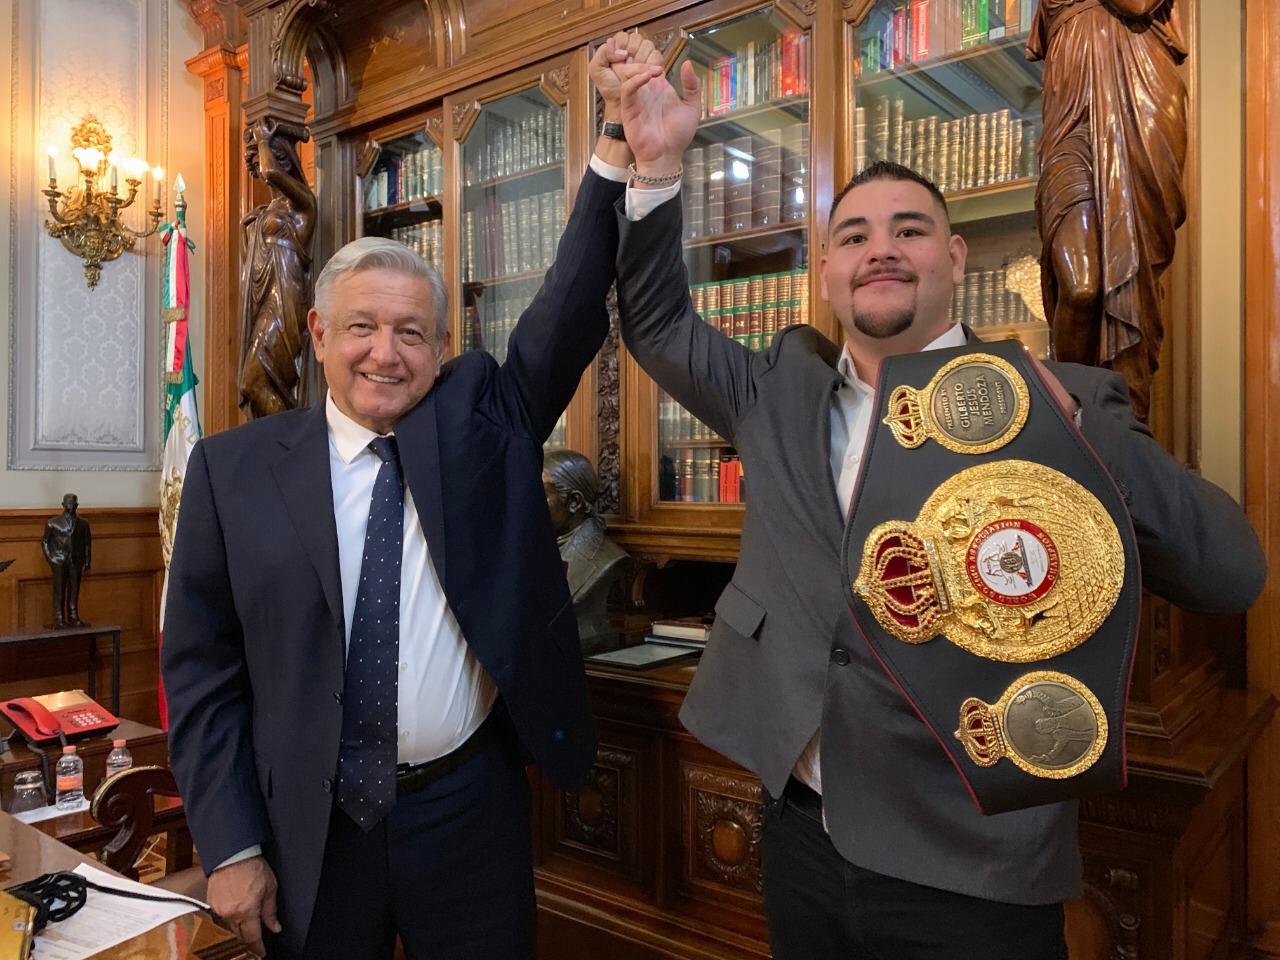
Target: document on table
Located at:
point(105, 920)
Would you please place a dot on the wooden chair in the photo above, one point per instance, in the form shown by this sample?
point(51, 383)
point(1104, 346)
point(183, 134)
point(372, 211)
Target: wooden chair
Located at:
point(125, 802)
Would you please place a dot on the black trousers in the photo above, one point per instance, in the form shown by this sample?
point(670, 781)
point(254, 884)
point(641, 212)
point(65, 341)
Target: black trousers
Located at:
point(449, 871)
point(821, 906)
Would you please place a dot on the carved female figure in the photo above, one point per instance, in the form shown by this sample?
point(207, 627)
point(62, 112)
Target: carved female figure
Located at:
point(273, 280)
point(1110, 196)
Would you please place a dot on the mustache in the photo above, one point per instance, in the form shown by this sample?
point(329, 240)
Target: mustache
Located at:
point(905, 275)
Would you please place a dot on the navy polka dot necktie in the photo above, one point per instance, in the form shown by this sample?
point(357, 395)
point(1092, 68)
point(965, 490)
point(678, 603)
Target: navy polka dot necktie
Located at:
point(367, 755)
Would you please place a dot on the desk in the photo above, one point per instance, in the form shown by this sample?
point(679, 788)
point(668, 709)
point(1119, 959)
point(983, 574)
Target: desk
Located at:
point(35, 853)
point(90, 635)
point(147, 744)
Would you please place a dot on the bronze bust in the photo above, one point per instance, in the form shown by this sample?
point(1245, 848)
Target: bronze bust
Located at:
point(67, 546)
point(592, 561)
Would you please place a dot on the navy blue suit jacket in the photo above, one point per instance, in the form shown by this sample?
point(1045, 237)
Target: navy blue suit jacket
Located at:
point(253, 650)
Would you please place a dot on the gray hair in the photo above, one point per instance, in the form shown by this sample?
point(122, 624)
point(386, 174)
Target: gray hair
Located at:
point(381, 253)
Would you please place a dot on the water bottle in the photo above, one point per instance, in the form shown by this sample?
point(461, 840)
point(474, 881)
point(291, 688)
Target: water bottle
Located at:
point(70, 779)
point(119, 758)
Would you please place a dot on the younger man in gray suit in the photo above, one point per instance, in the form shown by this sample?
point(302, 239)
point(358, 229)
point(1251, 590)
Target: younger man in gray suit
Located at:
point(872, 848)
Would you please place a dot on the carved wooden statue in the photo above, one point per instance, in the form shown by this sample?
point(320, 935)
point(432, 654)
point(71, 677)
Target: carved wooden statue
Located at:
point(592, 561)
point(274, 288)
point(1110, 195)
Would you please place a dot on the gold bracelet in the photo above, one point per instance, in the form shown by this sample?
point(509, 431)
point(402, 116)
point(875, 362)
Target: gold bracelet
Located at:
point(663, 181)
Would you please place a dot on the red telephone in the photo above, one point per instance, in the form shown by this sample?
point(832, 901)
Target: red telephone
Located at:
point(70, 714)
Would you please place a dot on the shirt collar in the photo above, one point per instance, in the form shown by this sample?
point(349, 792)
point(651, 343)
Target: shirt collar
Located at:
point(350, 439)
point(953, 336)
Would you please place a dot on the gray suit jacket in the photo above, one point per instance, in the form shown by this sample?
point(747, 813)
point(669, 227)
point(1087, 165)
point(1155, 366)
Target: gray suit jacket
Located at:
point(768, 680)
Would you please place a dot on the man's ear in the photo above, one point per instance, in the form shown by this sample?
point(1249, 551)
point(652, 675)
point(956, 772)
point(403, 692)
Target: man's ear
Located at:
point(315, 326)
point(959, 251)
point(575, 502)
point(444, 346)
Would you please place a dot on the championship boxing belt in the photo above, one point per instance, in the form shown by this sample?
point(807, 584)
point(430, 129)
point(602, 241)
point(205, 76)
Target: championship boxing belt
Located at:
point(992, 568)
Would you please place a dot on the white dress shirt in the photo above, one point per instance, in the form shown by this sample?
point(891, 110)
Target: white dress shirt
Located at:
point(444, 693)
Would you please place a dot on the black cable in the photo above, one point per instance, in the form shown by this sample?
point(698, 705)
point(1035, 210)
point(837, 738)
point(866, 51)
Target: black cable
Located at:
point(60, 895)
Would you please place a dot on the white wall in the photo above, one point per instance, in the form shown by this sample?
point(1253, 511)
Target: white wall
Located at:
point(174, 136)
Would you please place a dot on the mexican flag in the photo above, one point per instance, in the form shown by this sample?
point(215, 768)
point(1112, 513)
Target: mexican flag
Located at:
point(181, 419)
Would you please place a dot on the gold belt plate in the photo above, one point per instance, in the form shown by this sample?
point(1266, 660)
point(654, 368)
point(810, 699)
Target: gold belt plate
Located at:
point(1048, 724)
point(975, 404)
point(1012, 561)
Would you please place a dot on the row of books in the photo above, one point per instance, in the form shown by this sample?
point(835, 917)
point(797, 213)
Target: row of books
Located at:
point(977, 150)
point(985, 300)
point(514, 146)
point(512, 236)
point(425, 239)
point(757, 72)
point(692, 475)
point(403, 177)
point(904, 32)
point(493, 316)
point(752, 309)
point(746, 182)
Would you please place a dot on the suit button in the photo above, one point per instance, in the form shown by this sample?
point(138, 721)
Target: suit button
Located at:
point(558, 736)
point(328, 786)
point(840, 657)
point(337, 696)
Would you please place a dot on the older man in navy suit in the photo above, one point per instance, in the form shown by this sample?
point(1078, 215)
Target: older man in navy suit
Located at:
point(368, 625)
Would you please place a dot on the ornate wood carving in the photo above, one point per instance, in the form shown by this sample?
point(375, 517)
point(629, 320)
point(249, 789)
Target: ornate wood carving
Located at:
point(555, 84)
point(274, 282)
point(367, 157)
point(220, 21)
point(435, 129)
point(291, 25)
point(609, 413)
point(1109, 218)
point(464, 115)
point(1114, 893)
point(126, 803)
point(723, 827)
point(592, 816)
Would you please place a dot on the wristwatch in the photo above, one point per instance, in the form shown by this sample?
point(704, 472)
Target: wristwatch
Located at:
point(612, 130)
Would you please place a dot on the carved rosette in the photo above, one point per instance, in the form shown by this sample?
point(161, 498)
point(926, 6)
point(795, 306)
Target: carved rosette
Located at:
point(464, 115)
point(590, 817)
point(608, 413)
point(663, 40)
point(435, 129)
point(723, 827)
point(1114, 893)
point(555, 84)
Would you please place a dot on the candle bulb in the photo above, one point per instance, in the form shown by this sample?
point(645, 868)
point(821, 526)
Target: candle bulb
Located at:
point(114, 181)
point(53, 174)
point(157, 176)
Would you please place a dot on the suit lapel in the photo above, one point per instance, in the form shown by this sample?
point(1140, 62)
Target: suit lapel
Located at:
point(419, 442)
point(302, 473)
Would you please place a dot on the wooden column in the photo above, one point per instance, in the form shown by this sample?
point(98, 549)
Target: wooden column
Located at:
point(219, 66)
point(1262, 444)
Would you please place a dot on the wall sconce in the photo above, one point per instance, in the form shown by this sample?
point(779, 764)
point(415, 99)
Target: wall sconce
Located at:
point(88, 219)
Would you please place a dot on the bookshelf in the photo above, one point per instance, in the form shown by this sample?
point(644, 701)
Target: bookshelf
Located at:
point(746, 225)
point(943, 86)
point(512, 211)
point(400, 193)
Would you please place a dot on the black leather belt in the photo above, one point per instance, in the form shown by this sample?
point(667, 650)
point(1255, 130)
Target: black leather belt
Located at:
point(412, 778)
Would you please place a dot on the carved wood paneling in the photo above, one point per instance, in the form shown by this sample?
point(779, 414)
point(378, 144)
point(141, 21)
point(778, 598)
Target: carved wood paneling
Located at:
point(722, 830)
point(464, 115)
point(599, 817)
point(1113, 894)
point(434, 128)
point(609, 412)
point(555, 84)
point(122, 587)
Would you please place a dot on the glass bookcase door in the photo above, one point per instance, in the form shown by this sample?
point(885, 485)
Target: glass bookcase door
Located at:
point(513, 213)
point(400, 196)
point(944, 87)
point(746, 227)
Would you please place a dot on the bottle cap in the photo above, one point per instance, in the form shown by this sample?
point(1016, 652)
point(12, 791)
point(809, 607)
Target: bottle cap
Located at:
point(118, 743)
point(69, 748)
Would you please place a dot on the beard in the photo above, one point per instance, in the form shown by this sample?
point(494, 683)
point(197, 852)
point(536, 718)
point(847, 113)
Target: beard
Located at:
point(883, 325)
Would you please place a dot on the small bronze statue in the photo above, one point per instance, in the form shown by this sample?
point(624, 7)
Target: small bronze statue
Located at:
point(594, 562)
point(67, 546)
point(1110, 195)
point(275, 275)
